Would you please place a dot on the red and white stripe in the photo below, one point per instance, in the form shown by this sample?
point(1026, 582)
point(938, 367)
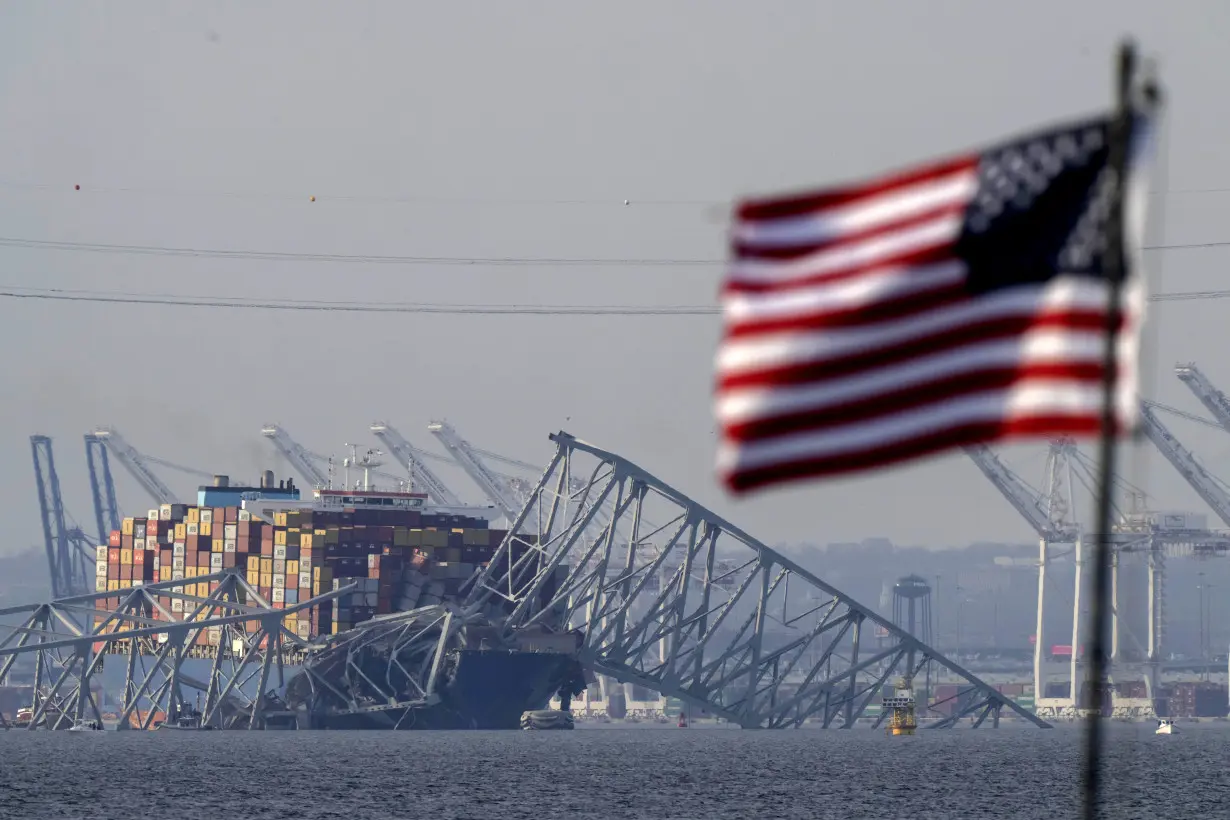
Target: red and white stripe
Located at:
point(851, 341)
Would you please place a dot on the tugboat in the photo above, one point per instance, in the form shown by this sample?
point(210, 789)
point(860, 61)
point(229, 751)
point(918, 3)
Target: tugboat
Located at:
point(1165, 726)
point(900, 706)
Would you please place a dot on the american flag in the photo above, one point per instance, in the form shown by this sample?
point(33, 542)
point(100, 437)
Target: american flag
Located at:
point(957, 302)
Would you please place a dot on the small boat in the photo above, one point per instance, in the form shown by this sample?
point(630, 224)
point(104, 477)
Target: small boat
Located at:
point(547, 719)
point(189, 723)
point(86, 726)
point(1165, 726)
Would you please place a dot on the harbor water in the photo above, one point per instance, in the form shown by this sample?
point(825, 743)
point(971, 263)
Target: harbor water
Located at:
point(606, 772)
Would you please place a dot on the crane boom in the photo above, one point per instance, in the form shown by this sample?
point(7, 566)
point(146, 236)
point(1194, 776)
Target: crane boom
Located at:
point(1019, 494)
point(419, 472)
point(1182, 459)
point(493, 485)
point(134, 462)
point(70, 559)
point(1216, 401)
point(294, 452)
point(102, 487)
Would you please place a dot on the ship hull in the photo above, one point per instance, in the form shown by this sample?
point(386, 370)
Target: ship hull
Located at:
point(488, 689)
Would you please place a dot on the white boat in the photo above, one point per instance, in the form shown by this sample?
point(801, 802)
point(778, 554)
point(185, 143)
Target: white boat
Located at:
point(1166, 727)
point(86, 726)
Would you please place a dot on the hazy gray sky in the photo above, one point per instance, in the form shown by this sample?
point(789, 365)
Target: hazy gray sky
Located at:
point(227, 116)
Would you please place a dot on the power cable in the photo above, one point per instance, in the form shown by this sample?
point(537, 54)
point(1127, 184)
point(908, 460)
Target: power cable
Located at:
point(240, 303)
point(493, 261)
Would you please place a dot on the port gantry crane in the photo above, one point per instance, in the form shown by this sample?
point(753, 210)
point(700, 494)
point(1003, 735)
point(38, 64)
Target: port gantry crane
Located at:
point(1216, 401)
point(300, 459)
point(1182, 459)
point(102, 486)
point(409, 456)
point(136, 464)
point(70, 552)
point(494, 485)
point(1131, 533)
point(1047, 513)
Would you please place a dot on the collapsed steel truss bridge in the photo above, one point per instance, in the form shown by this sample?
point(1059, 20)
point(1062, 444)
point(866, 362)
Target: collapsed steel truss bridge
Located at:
point(694, 608)
point(698, 609)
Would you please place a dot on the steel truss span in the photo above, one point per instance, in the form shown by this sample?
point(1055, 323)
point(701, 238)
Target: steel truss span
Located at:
point(247, 645)
point(383, 668)
point(697, 609)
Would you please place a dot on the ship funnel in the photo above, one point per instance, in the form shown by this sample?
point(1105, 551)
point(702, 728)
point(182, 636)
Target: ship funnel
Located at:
point(267, 479)
point(222, 481)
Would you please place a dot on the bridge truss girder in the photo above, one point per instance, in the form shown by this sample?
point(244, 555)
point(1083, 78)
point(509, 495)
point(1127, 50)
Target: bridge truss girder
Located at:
point(761, 642)
point(339, 678)
point(70, 637)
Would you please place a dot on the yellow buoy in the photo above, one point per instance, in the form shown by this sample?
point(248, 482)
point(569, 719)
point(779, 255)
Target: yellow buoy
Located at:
point(312, 199)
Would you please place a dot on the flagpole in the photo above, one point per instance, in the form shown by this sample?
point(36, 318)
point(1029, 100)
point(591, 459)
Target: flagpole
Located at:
point(1115, 269)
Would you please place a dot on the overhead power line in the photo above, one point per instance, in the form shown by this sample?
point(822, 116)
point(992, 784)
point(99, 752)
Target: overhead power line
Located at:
point(409, 199)
point(377, 259)
point(287, 256)
point(308, 305)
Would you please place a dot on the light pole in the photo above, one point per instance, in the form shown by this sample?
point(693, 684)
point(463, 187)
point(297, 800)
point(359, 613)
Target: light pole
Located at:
point(1200, 587)
point(935, 611)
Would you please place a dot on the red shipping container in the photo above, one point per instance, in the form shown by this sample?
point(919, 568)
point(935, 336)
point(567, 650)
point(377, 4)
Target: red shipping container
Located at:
point(114, 539)
point(113, 555)
point(138, 556)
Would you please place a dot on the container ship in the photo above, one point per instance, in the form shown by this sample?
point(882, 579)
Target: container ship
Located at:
point(398, 551)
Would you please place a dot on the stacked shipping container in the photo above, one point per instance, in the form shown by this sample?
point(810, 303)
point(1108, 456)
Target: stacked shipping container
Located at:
point(399, 559)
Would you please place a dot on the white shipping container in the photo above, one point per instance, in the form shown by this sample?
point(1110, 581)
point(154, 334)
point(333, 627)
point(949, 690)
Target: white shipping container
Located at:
point(138, 543)
point(100, 585)
point(279, 595)
point(245, 515)
point(178, 550)
point(305, 580)
point(228, 545)
point(373, 560)
point(152, 515)
point(100, 554)
point(215, 560)
point(305, 563)
point(230, 531)
point(177, 574)
point(207, 516)
point(138, 583)
point(157, 561)
point(177, 562)
point(101, 567)
point(279, 551)
point(194, 529)
point(176, 606)
point(279, 566)
point(164, 512)
point(279, 580)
